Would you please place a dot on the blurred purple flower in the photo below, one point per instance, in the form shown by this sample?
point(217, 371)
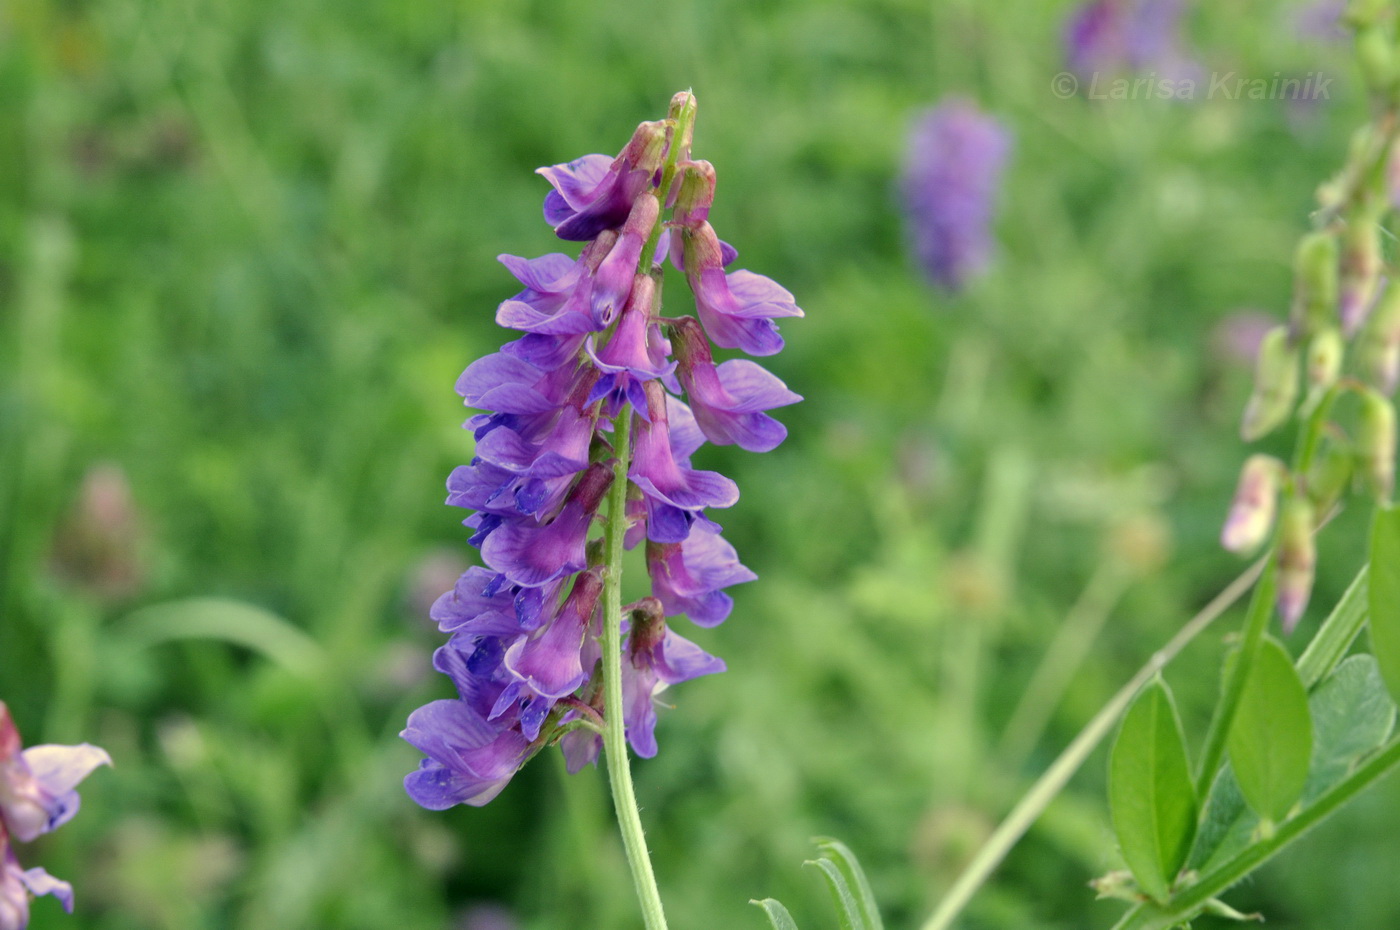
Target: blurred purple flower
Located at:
point(1321, 20)
point(36, 796)
point(100, 546)
point(1235, 339)
point(1112, 37)
point(952, 169)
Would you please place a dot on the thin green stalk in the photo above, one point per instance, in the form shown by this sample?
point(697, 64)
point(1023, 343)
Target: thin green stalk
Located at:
point(1261, 608)
point(1337, 633)
point(1062, 661)
point(1185, 905)
point(1034, 802)
point(629, 819)
point(668, 174)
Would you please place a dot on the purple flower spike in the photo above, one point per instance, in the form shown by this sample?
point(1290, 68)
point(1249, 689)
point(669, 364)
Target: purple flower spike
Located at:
point(951, 173)
point(526, 630)
point(657, 658)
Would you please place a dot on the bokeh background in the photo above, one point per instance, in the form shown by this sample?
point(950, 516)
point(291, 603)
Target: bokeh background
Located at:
point(245, 250)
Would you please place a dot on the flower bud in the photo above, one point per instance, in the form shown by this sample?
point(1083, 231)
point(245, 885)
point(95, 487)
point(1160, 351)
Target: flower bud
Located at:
point(1325, 359)
point(1375, 444)
point(1314, 283)
point(1275, 386)
point(681, 102)
point(100, 547)
point(1254, 506)
point(1364, 12)
point(1380, 345)
point(648, 625)
point(697, 193)
point(1360, 271)
point(1297, 560)
point(1330, 476)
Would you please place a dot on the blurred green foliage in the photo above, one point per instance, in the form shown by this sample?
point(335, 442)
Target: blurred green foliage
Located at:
point(245, 249)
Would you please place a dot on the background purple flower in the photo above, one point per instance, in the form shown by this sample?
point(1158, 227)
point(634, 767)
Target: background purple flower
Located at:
point(37, 795)
point(1112, 37)
point(952, 169)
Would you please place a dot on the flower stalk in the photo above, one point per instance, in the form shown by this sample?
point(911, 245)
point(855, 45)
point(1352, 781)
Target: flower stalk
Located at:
point(629, 819)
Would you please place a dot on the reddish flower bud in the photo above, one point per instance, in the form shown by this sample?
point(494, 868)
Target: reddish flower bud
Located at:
point(1254, 506)
point(1297, 560)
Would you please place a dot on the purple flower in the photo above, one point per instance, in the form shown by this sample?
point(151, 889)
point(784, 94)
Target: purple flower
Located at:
point(728, 400)
point(530, 554)
point(661, 477)
point(613, 280)
point(469, 758)
point(524, 649)
point(636, 353)
point(1115, 36)
point(688, 577)
point(952, 170)
point(657, 657)
point(737, 309)
point(1321, 20)
point(550, 660)
point(37, 795)
point(586, 200)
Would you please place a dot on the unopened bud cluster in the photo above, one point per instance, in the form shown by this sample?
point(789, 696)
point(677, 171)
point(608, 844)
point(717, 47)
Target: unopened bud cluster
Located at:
point(1342, 341)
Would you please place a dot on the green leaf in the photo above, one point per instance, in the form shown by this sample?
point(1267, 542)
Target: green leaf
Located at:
point(778, 916)
point(1227, 827)
point(1385, 595)
point(846, 861)
point(230, 621)
point(1150, 793)
point(848, 915)
point(1271, 740)
point(1352, 715)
